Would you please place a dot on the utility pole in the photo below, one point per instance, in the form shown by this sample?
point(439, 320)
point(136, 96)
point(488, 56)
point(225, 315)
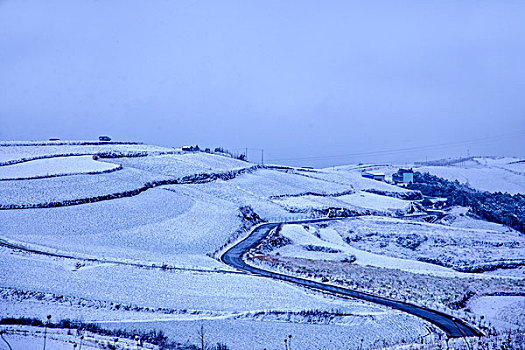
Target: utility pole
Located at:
point(45, 330)
point(262, 157)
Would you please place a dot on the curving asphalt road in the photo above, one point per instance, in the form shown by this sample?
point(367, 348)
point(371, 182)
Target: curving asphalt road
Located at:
point(453, 327)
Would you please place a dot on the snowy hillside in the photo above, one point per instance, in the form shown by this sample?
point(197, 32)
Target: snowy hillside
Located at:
point(50, 167)
point(485, 174)
point(128, 235)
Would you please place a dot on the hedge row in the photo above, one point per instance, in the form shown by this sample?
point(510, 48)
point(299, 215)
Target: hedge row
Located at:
point(407, 196)
point(95, 155)
point(492, 266)
point(192, 179)
point(344, 193)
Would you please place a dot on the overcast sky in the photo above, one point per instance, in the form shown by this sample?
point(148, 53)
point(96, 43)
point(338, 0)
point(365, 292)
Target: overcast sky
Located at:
point(310, 82)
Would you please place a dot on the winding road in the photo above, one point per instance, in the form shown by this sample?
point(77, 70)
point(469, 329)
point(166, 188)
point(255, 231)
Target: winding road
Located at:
point(453, 327)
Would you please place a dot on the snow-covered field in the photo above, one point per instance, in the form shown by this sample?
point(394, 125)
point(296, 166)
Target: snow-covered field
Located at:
point(23, 151)
point(146, 259)
point(55, 166)
point(27, 337)
point(484, 173)
point(504, 311)
point(177, 302)
point(157, 225)
point(353, 176)
point(60, 189)
point(352, 332)
point(453, 247)
point(492, 174)
point(157, 288)
point(180, 165)
point(406, 260)
point(401, 244)
point(357, 201)
point(492, 179)
point(319, 243)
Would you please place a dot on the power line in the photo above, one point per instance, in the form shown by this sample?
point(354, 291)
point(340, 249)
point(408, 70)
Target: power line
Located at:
point(415, 148)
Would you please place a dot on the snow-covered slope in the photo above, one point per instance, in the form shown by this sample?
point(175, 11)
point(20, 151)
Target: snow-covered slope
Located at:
point(484, 173)
point(134, 233)
point(50, 167)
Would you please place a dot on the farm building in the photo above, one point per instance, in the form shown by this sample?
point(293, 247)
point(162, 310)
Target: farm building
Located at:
point(374, 176)
point(403, 176)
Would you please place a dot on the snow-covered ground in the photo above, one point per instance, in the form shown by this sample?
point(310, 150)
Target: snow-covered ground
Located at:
point(319, 243)
point(55, 166)
point(146, 259)
point(492, 174)
point(155, 288)
point(357, 201)
point(484, 173)
point(353, 174)
point(453, 247)
point(491, 179)
point(180, 165)
point(503, 311)
point(27, 337)
point(60, 189)
point(176, 227)
point(352, 332)
point(400, 244)
point(18, 151)
point(178, 302)
point(403, 260)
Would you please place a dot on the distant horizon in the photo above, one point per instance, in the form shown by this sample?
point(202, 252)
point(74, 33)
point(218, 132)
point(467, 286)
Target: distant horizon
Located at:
point(254, 159)
point(320, 84)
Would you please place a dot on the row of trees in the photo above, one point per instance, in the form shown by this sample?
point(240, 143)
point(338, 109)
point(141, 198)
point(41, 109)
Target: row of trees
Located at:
point(196, 148)
point(502, 208)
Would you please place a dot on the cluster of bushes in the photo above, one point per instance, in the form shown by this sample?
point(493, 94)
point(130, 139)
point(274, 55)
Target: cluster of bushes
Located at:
point(118, 154)
point(221, 150)
point(316, 194)
point(407, 196)
point(501, 208)
point(246, 213)
point(318, 248)
point(341, 212)
point(274, 241)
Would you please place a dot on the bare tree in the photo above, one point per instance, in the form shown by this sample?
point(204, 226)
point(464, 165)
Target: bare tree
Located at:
point(201, 333)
